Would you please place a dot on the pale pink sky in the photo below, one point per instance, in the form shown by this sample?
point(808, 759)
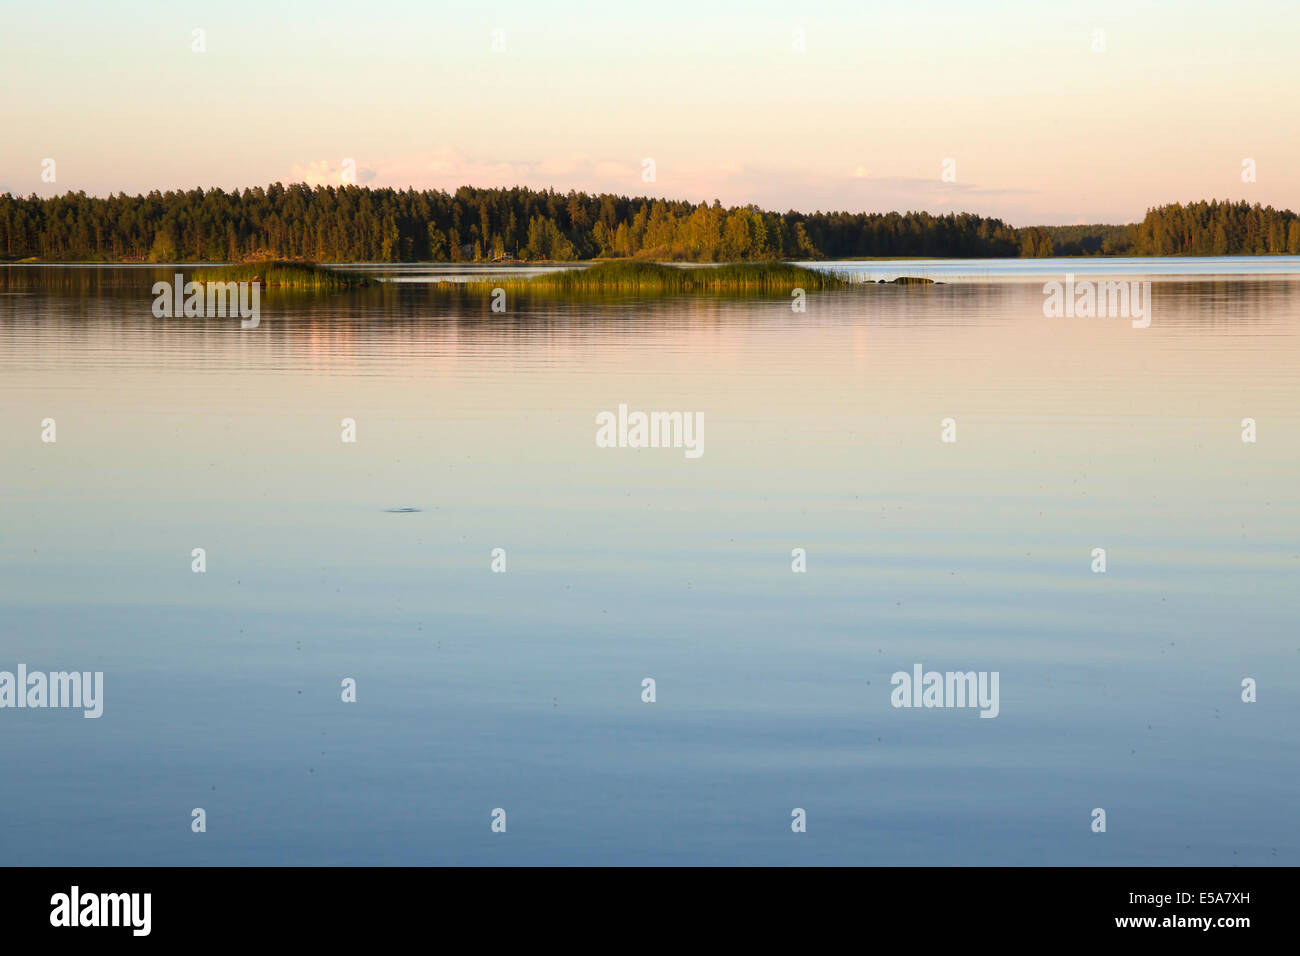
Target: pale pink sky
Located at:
point(1045, 120)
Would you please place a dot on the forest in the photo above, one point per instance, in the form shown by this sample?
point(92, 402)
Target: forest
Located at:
point(362, 224)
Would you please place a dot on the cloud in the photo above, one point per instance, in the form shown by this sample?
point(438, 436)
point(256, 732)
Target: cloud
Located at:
point(734, 183)
point(324, 172)
point(435, 169)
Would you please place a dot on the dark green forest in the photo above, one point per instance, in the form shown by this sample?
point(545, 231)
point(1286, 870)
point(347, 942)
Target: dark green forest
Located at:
point(360, 224)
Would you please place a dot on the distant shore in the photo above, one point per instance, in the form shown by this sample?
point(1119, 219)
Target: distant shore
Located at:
point(505, 225)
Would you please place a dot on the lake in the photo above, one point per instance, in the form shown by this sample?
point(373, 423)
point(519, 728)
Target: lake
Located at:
point(476, 689)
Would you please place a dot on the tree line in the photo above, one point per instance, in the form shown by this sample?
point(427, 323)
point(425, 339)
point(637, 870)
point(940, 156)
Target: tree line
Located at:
point(1216, 229)
point(360, 224)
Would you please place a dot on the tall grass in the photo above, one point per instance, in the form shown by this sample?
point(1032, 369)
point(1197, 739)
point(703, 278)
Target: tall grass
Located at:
point(620, 277)
point(284, 274)
point(624, 276)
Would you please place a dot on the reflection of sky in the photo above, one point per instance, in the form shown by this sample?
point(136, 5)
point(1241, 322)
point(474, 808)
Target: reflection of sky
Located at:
point(523, 690)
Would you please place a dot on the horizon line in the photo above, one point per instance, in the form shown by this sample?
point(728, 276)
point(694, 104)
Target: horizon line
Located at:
point(647, 198)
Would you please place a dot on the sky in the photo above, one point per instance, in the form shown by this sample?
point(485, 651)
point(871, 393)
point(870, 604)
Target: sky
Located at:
point(1021, 110)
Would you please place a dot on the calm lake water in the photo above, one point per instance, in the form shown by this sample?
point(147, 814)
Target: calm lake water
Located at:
point(523, 690)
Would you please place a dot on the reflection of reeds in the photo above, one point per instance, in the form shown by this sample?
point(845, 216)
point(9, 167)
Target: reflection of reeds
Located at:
point(291, 275)
point(21, 278)
point(649, 277)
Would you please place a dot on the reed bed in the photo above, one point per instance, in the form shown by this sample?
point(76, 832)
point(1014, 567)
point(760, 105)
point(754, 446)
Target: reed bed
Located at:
point(650, 277)
point(283, 274)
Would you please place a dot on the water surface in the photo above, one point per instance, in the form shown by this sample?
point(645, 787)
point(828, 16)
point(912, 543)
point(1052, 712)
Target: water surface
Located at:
point(522, 690)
